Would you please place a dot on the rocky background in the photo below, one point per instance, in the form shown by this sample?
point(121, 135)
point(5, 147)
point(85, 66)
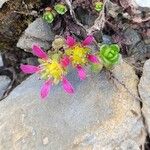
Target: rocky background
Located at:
point(110, 114)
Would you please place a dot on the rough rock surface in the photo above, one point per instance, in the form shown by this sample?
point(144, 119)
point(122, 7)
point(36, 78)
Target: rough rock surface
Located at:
point(132, 35)
point(1, 60)
point(2, 2)
point(144, 90)
point(138, 49)
point(101, 115)
point(4, 82)
point(37, 32)
point(143, 3)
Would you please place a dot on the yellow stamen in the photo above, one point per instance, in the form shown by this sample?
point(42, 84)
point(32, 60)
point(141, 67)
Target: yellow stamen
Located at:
point(78, 54)
point(52, 69)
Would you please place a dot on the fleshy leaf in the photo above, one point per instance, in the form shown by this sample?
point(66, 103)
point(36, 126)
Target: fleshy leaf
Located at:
point(98, 6)
point(60, 9)
point(48, 17)
point(109, 54)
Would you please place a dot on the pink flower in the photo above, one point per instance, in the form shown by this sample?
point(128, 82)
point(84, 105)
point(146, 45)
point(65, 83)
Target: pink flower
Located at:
point(80, 54)
point(51, 69)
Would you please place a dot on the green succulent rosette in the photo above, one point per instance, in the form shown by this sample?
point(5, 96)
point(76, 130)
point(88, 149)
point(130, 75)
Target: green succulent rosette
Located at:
point(109, 55)
point(48, 16)
point(60, 9)
point(98, 6)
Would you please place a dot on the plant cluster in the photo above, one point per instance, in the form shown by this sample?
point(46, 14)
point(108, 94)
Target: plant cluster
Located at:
point(53, 67)
point(50, 13)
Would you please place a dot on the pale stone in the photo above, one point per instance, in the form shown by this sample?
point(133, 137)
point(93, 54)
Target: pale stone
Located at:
point(101, 115)
point(144, 90)
point(4, 82)
point(2, 2)
point(142, 3)
point(45, 141)
point(1, 60)
point(37, 32)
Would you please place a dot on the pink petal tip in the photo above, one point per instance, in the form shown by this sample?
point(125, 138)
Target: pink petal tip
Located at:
point(89, 39)
point(45, 89)
point(65, 61)
point(36, 50)
point(93, 58)
point(70, 41)
point(68, 88)
point(29, 69)
point(81, 73)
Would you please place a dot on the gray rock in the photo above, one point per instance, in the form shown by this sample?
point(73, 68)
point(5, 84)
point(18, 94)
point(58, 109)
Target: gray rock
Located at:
point(100, 115)
point(1, 60)
point(2, 2)
point(86, 18)
point(140, 51)
point(144, 90)
point(143, 3)
point(113, 9)
point(137, 48)
point(26, 43)
point(107, 39)
point(32, 61)
point(132, 36)
point(129, 145)
point(4, 82)
point(37, 32)
point(40, 29)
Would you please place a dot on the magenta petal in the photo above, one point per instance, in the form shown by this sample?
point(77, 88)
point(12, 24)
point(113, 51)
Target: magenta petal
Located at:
point(45, 89)
point(65, 61)
point(81, 73)
point(89, 39)
point(93, 58)
point(70, 41)
point(67, 86)
point(36, 50)
point(29, 69)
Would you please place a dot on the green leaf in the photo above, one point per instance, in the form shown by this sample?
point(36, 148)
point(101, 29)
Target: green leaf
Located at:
point(115, 47)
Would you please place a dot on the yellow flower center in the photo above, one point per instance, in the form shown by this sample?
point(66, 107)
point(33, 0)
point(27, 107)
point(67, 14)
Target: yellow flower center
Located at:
point(78, 54)
point(53, 70)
